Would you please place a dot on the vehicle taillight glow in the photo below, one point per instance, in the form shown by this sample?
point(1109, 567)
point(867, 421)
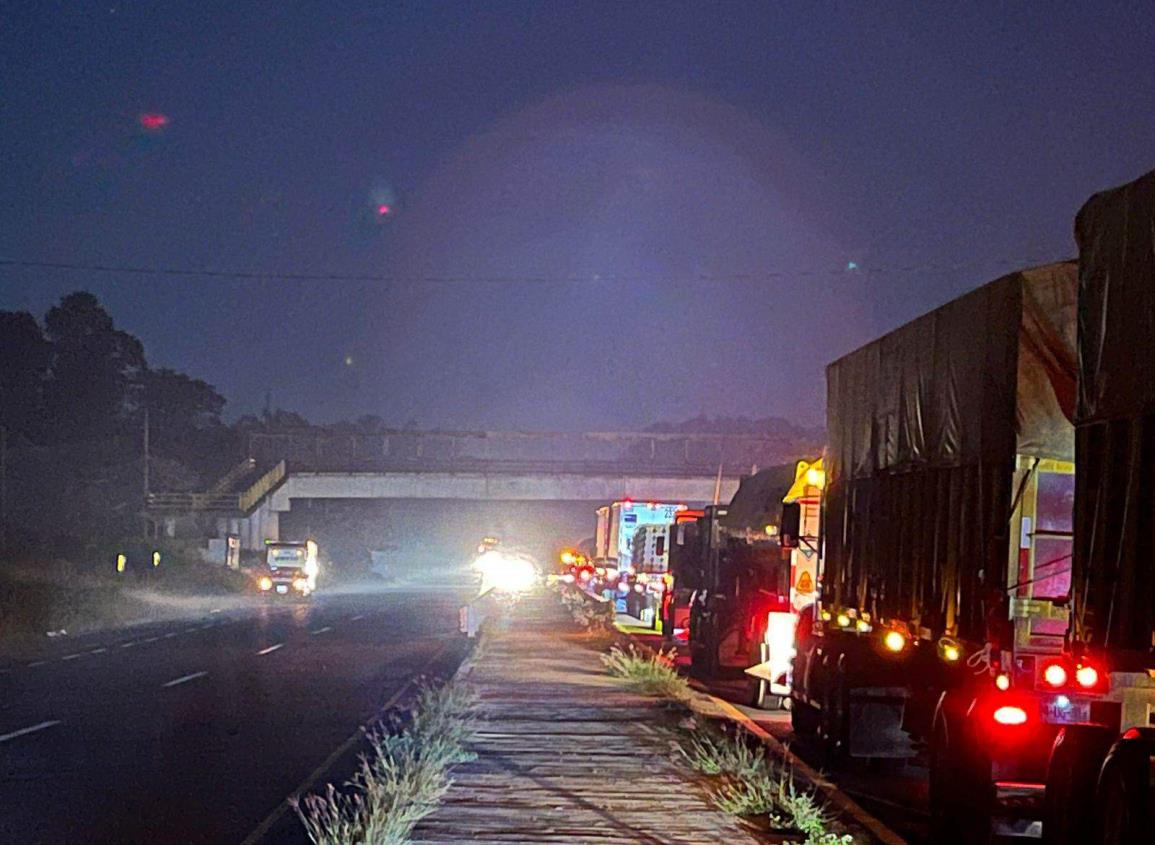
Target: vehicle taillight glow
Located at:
point(1009, 714)
point(1055, 675)
point(1003, 681)
point(1087, 676)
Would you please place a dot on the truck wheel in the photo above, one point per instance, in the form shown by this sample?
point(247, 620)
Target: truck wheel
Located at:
point(944, 804)
point(836, 716)
point(1073, 770)
point(1124, 796)
point(803, 719)
point(962, 794)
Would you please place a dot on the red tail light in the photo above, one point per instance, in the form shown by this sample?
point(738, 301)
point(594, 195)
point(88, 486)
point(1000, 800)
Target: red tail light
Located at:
point(1010, 714)
point(1055, 675)
point(1087, 677)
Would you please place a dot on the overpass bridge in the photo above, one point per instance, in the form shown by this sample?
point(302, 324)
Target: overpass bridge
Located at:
point(480, 466)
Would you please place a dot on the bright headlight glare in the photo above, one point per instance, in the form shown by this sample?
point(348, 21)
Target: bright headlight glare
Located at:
point(894, 641)
point(508, 573)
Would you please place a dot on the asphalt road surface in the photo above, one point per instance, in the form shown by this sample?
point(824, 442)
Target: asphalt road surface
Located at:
point(198, 731)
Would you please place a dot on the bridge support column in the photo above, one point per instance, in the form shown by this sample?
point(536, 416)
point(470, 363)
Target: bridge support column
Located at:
point(262, 524)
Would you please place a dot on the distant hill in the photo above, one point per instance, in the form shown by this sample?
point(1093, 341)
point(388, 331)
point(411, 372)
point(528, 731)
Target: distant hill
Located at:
point(758, 426)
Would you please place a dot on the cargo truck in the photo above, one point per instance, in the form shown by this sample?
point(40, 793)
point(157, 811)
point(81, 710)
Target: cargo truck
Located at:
point(741, 582)
point(683, 576)
point(617, 524)
point(988, 588)
point(290, 569)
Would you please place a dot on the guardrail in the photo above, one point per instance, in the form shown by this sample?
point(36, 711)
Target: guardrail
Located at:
point(323, 450)
point(187, 502)
point(261, 487)
point(477, 612)
point(233, 476)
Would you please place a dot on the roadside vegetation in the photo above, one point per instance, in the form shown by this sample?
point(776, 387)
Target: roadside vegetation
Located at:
point(745, 783)
point(401, 780)
point(651, 673)
point(743, 780)
point(41, 596)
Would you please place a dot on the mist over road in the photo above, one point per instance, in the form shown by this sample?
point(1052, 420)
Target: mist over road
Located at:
point(197, 731)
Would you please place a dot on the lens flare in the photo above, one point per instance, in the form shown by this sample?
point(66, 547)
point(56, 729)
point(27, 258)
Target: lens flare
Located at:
point(153, 121)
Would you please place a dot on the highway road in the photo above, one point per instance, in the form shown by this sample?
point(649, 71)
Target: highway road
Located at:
point(198, 731)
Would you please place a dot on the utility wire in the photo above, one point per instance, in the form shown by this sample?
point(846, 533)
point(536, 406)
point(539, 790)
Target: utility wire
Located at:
point(259, 275)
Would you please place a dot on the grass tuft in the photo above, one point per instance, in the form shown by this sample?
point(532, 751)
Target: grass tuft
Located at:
point(748, 784)
point(401, 780)
point(652, 674)
point(713, 754)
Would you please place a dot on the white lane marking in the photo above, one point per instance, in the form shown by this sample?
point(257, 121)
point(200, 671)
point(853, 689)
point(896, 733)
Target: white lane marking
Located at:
point(37, 663)
point(184, 679)
point(321, 630)
point(357, 618)
point(100, 650)
point(130, 644)
point(170, 635)
point(42, 726)
point(151, 639)
point(72, 657)
point(270, 649)
point(208, 625)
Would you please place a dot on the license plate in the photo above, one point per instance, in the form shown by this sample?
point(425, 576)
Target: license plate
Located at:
point(282, 589)
point(1060, 712)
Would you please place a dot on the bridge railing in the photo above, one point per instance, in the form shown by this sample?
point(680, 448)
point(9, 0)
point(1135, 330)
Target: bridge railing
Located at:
point(651, 451)
point(261, 487)
point(191, 502)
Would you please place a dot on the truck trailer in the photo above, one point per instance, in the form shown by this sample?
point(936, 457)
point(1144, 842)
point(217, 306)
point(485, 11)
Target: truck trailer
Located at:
point(987, 585)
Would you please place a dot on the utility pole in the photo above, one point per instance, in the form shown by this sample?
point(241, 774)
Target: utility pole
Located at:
point(4, 515)
point(145, 470)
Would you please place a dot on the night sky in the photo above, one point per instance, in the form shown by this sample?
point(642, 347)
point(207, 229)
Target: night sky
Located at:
point(577, 215)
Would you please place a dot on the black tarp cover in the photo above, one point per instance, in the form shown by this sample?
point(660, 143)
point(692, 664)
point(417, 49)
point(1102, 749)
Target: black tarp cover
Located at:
point(923, 426)
point(1114, 553)
point(758, 499)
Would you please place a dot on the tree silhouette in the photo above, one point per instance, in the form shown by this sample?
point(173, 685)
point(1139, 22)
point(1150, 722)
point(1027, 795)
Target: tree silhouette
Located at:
point(24, 359)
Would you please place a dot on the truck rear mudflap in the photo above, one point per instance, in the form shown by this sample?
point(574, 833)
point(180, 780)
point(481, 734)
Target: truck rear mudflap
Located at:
point(876, 718)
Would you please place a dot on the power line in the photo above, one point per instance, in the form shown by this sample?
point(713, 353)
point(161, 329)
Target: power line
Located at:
point(852, 268)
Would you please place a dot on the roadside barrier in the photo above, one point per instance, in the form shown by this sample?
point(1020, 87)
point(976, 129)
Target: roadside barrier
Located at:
point(476, 613)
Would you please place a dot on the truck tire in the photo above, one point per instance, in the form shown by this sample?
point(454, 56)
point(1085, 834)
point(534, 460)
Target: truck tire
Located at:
point(1072, 773)
point(836, 715)
point(803, 717)
point(945, 808)
point(962, 790)
point(1123, 799)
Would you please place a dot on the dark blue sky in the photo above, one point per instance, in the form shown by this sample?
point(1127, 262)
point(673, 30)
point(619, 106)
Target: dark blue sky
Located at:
point(601, 215)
